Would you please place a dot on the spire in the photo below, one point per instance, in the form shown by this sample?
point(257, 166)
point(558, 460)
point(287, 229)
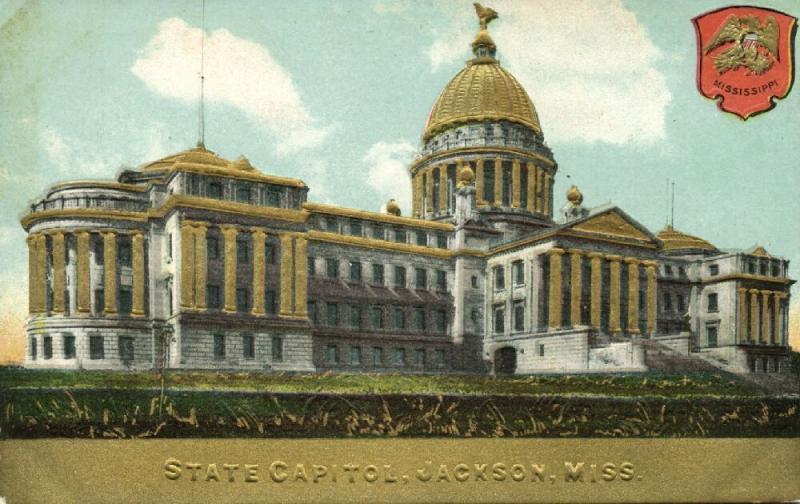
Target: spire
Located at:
point(483, 46)
point(201, 126)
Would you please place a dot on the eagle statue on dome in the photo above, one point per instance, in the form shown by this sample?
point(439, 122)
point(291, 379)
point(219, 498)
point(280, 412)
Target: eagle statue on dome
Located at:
point(755, 45)
point(485, 14)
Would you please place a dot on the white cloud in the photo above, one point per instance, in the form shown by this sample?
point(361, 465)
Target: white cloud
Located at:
point(238, 72)
point(74, 157)
point(387, 171)
point(589, 67)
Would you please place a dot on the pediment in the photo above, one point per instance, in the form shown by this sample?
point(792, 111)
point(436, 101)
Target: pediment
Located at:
point(613, 224)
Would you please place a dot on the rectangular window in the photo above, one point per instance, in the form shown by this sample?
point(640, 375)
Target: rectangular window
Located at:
point(332, 314)
point(541, 349)
point(242, 300)
point(776, 269)
point(422, 238)
point(248, 346)
point(33, 349)
point(377, 356)
point(439, 355)
point(269, 253)
point(311, 309)
point(519, 316)
point(47, 347)
point(355, 316)
point(356, 227)
point(312, 270)
point(69, 346)
point(125, 301)
point(420, 278)
point(488, 181)
point(667, 301)
point(499, 319)
point(242, 251)
point(212, 297)
point(668, 270)
point(400, 235)
point(762, 267)
point(99, 252)
point(377, 274)
point(399, 276)
point(378, 232)
point(99, 301)
point(440, 319)
point(277, 349)
point(681, 303)
point(711, 335)
point(332, 268)
point(332, 354)
point(399, 318)
point(96, 348)
point(712, 302)
point(518, 272)
point(419, 319)
point(419, 357)
point(713, 270)
point(355, 271)
point(331, 225)
point(376, 317)
point(441, 240)
point(273, 197)
point(169, 246)
point(270, 302)
point(214, 190)
point(441, 280)
point(219, 346)
point(355, 355)
point(125, 347)
point(499, 273)
point(243, 195)
point(212, 247)
point(124, 254)
point(400, 356)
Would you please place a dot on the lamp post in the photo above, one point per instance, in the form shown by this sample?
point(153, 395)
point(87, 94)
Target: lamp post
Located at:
point(167, 332)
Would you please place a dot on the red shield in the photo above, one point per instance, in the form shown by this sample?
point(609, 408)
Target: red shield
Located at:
point(744, 57)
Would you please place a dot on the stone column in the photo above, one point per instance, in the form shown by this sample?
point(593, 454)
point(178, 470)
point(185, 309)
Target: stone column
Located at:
point(479, 183)
point(531, 186)
point(555, 299)
point(765, 294)
point(417, 183)
point(188, 251)
point(443, 188)
point(59, 270)
point(651, 296)
point(287, 264)
point(539, 189)
point(633, 295)
point(741, 324)
point(515, 184)
point(110, 271)
point(777, 318)
point(301, 276)
point(754, 315)
point(229, 233)
point(32, 265)
point(41, 271)
point(259, 258)
point(429, 206)
point(548, 180)
point(498, 182)
point(614, 294)
point(137, 251)
point(200, 265)
point(596, 289)
point(82, 290)
point(576, 286)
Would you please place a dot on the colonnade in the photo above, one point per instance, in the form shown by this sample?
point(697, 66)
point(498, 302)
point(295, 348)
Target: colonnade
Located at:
point(761, 321)
point(556, 286)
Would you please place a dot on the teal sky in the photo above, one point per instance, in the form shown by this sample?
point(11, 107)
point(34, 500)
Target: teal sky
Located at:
point(73, 108)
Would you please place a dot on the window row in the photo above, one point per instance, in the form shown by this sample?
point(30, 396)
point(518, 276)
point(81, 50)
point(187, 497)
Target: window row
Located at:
point(518, 317)
point(679, 304)
point(241, 192)
point(355, 273)
point(397, 357)
point(499, 275)
point(125, 347)
point(357, 316)
point(244, 300)
point(763, 267)
point(248, 347)
point(357, 227)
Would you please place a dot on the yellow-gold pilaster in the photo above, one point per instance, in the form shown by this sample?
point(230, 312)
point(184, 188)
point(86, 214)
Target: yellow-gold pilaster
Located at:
point(287, 263)
point(651, 296)
point(555, 300)
point(301, 276)
point(596, 289)
point(229, 234)
point(429, 199)
point(41, 270)
point(82, 294)
point(539, 189)
point(480, 201)
point(188, 251)
point(531, 203)
point(498, 182)
point(633, 295)
point(754, 315)
point(548, 179)
point(201, 265)
point(777, 337)
point(742, 316)
point(59, 271)
point(417, 183)
point(137, 261)
point(614, 294)
point(443, 188)
point(765, 294)
point(259, 258)
point(110, 271)
point(515, 183)
point(576, 287)
point(32, 265)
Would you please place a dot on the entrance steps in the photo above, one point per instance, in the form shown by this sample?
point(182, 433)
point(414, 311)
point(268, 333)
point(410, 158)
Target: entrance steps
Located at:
point(661, 358)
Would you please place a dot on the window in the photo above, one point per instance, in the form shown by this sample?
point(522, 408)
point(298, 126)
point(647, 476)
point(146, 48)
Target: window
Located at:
point(420, 278)
point(400, 356)
point(422, 238)
point(355, 355)
point(441, 280)
point(400, 235)
point(378, 232)
point(474, 281)
point(751, 267)
point(277, 349)
point(47, 347)
point(33, 349)
point(419, 319)
point(332, 268)
point(376, 317)
point(499, 319)
point(776, 269)
point(311, 309)
point(440, 320)
point(518, 272)
point(399, 318)
point(667, 301)
point(212, 247)
point(214, 190)
point(668, 270)
point(243, 195)
point(377, 356)
point(69, 346)
point(712, 302)
point(125, 301)
point(212, 297)
point(99, 301)
point(331, 225)
point(439, 356)
point(242, 300)
point(124, 253)
point(96, 348)
point(355, 316)
point(681, 303)
point(499, 273)
point(441, 240)
point(377, 274)
point(541, 349)
point(356, 227)
point(311, 269)
point(125, 347)
point(474, 315)
point(762, 267)
point(242, 251)
point(399, 276)
point(273, 197)
point(681, 272)
point(269, 254)
point(248, 346)
point(519, 316)
point(270, 303)
point(713, 270)
point(169, 246)
point(332, 314)
point(332, 354)
point(419, 357)
point(99, 252)
point(219, 346)
point(355, 271)
point(711, 335)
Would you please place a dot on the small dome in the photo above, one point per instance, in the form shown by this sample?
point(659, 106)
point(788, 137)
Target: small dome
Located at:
point(676, 241)
point(392, 207)
point(197, 156)
point(483, 39)
point(466, 176)
point(574, 196)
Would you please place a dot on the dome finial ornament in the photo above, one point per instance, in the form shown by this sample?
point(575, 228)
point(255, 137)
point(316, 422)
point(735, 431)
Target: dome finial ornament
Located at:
point(483, 46)
point(574, 196)
point(485, 15)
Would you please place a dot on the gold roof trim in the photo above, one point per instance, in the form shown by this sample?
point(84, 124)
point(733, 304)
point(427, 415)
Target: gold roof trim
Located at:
point(100, 184)
point(372, 243)
point(376, 216)
point(481, 150)
point(676, 240)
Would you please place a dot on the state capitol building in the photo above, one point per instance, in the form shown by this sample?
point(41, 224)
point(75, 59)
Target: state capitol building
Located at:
point(209, 263)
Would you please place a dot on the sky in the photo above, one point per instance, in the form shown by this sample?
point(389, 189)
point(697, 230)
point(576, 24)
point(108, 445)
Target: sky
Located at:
point(337, 93)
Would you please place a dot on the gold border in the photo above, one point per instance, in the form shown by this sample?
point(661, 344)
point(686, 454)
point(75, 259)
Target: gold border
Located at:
point(320, 208)
point(357, 241)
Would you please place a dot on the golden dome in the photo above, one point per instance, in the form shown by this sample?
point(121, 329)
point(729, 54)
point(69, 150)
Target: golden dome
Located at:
point(465, 176)
point(392, 207)
point(197, 156)
point(675, 240)
point(574, 196)
point(483, 91)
